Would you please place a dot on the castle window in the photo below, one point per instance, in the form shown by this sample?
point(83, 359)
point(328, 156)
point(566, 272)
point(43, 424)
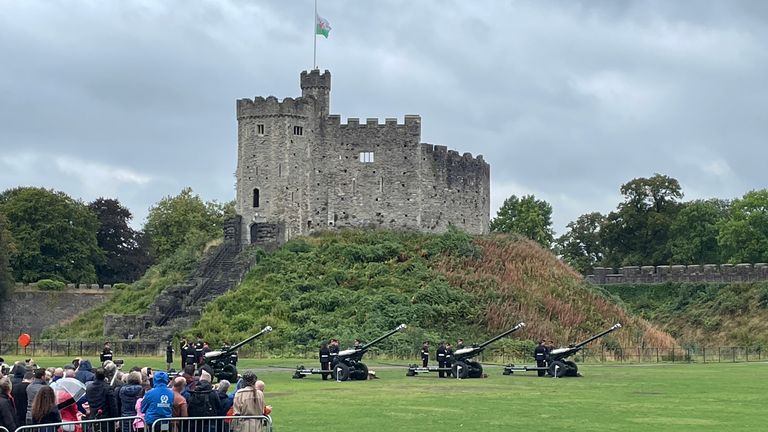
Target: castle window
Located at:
point(298, 130)
point(366, 157)
point(260, 129)
point(256, 198)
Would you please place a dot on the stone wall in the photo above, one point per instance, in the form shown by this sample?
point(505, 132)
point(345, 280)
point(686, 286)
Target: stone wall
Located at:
point(681, 273)
point(305, 170)
point(29, 310)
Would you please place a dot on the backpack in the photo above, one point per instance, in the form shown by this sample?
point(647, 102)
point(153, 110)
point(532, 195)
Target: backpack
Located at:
point(200, 404)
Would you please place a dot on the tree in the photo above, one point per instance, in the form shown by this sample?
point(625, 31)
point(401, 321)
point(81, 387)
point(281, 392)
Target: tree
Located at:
point(174, 221)
point(126, 257)
point(55, 236)
point(6, 248)
point(527, 216)
point(580, 246)
point(744, 235)
point(693, 234)
point(637, 233)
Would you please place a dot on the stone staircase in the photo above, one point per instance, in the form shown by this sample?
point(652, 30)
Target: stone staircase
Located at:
point(178, 307)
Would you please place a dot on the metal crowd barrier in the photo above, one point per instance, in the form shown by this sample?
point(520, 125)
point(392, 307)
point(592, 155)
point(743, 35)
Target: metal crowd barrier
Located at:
point(97, 425)
point(214, 424)
point(2, 429)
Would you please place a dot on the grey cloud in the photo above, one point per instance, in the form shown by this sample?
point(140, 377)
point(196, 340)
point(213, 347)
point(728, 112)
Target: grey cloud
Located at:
point(565, 99)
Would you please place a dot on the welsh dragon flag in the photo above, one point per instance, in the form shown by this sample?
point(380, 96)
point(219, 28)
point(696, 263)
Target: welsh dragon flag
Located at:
point(322, 26)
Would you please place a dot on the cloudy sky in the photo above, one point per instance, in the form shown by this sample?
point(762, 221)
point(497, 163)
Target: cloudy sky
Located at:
point(567, 100)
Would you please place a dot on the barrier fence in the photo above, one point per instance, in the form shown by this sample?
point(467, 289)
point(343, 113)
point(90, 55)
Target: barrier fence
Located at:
point(106, 425)
point(175, 424)
point(597, 354)
point(214, 424)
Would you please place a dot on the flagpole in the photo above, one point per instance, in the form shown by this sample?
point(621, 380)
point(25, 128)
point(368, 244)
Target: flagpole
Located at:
point(314, 38)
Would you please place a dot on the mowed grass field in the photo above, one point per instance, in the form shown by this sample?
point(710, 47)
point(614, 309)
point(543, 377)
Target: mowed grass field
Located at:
point(610, 397)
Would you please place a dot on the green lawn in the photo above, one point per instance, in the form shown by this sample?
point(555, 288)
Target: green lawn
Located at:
point(610, 397)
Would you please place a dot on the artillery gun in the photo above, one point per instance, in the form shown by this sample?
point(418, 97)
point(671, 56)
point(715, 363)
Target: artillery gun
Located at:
point(219, 360)
point(557, 365)
point(348, 364)
point(463, 366)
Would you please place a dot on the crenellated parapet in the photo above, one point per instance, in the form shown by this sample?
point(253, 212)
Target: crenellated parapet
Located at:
point(441, 153)
point(681, 273)
point(315, 79)
point(412, 123)
point(270, 106)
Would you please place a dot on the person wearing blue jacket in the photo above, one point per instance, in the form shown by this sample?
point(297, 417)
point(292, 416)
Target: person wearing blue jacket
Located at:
point(84, 372)
point(158, 402)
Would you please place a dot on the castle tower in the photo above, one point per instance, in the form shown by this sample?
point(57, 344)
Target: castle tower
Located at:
point(313, 83)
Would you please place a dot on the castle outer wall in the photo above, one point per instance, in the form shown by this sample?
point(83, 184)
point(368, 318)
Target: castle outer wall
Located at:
point(301, 170)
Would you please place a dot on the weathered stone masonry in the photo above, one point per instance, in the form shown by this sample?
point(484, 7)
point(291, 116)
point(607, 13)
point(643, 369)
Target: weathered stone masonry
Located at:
point(300, 169)
point(681, 273)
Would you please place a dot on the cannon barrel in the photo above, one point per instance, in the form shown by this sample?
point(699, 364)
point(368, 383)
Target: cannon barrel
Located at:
point(497, 337)
point(472, 351)
point(573, 348)
point(235, 347)
point(381, 338)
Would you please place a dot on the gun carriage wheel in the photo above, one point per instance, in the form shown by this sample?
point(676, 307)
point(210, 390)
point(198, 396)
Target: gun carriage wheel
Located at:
point(475, 369)
point(360, 372)
point(558, 369)
point(341, 372)
point(229, 373)
point(460, 370)
point(571, 369)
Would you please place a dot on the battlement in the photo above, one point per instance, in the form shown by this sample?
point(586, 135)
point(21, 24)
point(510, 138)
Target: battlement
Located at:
point(314, 79)
point(681, 273)
point(442, 152)
point(413, 121)
point(271, 106)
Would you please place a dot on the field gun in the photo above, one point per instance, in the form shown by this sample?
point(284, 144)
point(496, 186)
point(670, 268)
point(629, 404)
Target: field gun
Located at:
point(557, 365)
point(348, 364)
point(219, 360)
point(463, 366)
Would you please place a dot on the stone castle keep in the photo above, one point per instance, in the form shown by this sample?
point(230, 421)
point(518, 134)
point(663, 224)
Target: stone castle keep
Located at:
point(299, 169)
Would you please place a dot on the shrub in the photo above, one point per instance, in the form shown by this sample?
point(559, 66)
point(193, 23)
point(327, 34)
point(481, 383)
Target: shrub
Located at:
point(50, 285)
point(121, 286)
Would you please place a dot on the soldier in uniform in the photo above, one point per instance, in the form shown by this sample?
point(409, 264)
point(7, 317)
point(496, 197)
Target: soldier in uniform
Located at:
point(425, 354)
point(449, 358)
point(357, 344)
point(540, 353)
point(189, 355)
point(169, 354)
point(325, 359)
point(183, 347)
point(333, 351)
point(441, 359)
point(106, 353)
point(460, 344)
point(199, 350)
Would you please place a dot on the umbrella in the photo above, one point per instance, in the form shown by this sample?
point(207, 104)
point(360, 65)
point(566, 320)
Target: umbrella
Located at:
point(72, 389)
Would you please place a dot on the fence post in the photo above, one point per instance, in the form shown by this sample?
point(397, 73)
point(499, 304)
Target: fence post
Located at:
point(81, 349)
point(673, 354)
point(746, 353)
point(719, 351)
point(704, 353)
point(733, 354)
point(688, 354)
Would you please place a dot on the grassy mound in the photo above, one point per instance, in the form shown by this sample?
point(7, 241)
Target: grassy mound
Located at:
point(133, 299)
point(359, 284)
point(706, 314)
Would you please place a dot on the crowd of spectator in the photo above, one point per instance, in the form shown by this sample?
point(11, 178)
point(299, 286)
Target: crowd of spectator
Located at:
point(27, 397)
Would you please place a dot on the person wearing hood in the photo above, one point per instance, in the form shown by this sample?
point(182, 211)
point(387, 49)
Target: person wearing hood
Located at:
point(157, 403)
point(7, 407)
point(18, 372)
point(128, 395)
point(84, 372)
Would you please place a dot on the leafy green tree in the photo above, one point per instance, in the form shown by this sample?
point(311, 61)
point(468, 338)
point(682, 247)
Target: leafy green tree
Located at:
point(55, 236)
point(527, 216)
point(6, 248)
point(744, 235)
point(174, 221)
point(580, 246)
point(637, 233)
point(693, 235)
point(126, 254)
